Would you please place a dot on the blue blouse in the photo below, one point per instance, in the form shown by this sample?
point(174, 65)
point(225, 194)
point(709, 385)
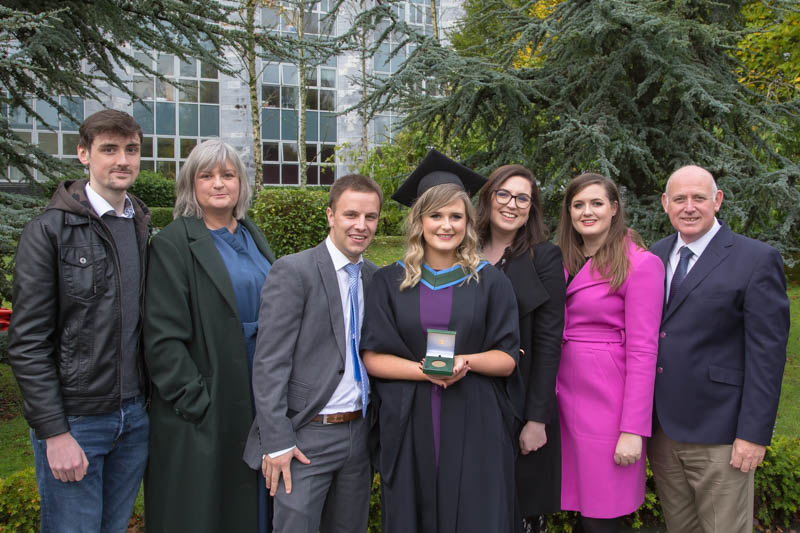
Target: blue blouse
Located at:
point(247, 269)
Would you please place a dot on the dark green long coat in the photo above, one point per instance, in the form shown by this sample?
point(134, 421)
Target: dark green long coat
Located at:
point(201, 411)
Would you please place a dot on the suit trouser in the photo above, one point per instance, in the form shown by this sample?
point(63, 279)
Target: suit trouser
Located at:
point(699, 490)
point(331, 494)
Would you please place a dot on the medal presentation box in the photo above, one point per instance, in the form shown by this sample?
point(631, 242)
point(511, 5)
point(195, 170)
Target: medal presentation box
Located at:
point(440, 353)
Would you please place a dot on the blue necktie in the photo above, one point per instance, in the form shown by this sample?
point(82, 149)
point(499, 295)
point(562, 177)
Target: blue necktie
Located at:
point(680, 271)
point(359, 372)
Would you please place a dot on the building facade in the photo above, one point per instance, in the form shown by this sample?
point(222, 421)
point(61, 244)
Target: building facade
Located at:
point(203, 102)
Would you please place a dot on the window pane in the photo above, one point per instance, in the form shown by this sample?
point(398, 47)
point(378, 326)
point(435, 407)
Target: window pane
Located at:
point(327, 100)
point(75, 107)
point(327, 127)
point(381, 127)
point(209, 120)
point(289, 152)
point(18, 118)
point(270, 18)
point(327, 77)
point(270, 124)
point(312, 129)
point(290, 175)
point(165, 91)
point(289, 74)
point(331, 62)
point(167, 168)
point(311, 153)
point(272, 174)
point(311, 77)
point(209, 92)
point(69, 143)
point(326, 174)
point(147, 165)
point(289, 97)
point(208, 71)
point(144, 116)
point(144, 59)
point(381, 60)
point(48, 142)
point(186, 147)
point(311, 99)
point(165, 118)
point(166, 147)
point(270, 95)
point(48, 113)
point(189, 68)
point(270, 152)
point(272, 73)
point(143, 87)
point(147, 147)
point(327, 154)
point(289, 125)
point(166, 64)
point(311, 23)
point(188, 91)
point(188, 119)
point(398, 60)
point(312, 175)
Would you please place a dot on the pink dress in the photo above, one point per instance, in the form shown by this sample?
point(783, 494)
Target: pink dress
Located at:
point(605, 384)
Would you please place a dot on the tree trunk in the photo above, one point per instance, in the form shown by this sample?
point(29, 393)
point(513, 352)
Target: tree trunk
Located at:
point(251, 7)
point(434, 20)
point(301, 80)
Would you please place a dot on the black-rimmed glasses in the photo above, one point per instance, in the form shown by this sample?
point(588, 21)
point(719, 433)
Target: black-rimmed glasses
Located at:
point(503, 197)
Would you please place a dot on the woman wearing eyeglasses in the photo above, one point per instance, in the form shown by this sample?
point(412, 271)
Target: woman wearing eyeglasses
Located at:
point(514, 238)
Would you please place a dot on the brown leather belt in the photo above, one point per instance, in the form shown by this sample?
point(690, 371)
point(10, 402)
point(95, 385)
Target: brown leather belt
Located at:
point(337, 418)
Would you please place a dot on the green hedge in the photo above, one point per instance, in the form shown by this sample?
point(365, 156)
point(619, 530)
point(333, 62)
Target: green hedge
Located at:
point(154, 189)
point(292, 219)
point(160, 216)
point(19, 502)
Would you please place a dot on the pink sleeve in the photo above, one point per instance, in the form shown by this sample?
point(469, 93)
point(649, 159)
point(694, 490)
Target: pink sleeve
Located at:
point(644, 302)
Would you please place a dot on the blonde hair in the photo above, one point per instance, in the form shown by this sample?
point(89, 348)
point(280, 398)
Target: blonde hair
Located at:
point(432, 200)
point(209, 155)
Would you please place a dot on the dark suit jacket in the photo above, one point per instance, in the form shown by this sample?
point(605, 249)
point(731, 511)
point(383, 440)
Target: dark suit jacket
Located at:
point(300, 350)
point(722, 345)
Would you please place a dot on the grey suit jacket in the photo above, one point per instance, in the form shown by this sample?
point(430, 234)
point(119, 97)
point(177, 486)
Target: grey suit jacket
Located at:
point(300, 349)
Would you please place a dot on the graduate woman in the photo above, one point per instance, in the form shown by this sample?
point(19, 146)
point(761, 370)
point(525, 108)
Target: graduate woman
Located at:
point(513, 237)
point(446, 442)
point(615, 293)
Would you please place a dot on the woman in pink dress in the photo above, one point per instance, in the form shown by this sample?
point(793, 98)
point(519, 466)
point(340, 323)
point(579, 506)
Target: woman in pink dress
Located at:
point(615, 294)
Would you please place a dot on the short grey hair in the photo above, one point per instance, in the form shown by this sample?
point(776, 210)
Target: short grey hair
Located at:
point(208, 155)
point(696, 168)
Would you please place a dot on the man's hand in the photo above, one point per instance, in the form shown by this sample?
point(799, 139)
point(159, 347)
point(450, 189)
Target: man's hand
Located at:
point(532, 437)
point(746, 455)
point(273, 468)
point(629, 449)
point(66, 458)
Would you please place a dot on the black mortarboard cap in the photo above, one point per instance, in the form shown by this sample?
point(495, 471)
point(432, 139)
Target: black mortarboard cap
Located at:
point(437, 169)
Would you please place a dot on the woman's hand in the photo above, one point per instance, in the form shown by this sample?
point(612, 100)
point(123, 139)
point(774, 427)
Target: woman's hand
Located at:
point(629, 449)
point(460, 369)
point(532, 437)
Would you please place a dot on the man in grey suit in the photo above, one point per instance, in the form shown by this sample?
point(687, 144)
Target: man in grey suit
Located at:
point(309, 385)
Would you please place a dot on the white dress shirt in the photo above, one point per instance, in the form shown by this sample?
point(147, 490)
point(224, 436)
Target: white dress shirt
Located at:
point(697, 247)
point(102, 207)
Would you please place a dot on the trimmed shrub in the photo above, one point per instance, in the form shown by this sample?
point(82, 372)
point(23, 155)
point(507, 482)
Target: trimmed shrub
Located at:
point(292, 219)
point(19, 502)
point(154, 189)
point(393, 215)
point(160, 216)
point(777, 484)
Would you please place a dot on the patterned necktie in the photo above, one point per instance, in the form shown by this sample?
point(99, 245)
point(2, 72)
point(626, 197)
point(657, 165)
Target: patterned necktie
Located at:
point(359, 372)
point(680, 271)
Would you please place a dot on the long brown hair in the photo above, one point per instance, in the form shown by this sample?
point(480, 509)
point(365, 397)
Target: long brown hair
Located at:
point(611, 259)
point(432, 200)
point(532, 232)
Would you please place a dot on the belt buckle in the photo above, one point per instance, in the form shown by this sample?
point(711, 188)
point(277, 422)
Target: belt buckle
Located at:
point(325, 420)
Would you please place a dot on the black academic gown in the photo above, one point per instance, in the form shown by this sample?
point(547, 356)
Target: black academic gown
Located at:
point(473, 490)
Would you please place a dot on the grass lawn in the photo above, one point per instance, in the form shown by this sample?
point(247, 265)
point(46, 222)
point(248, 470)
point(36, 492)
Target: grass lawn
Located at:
point(788, 422)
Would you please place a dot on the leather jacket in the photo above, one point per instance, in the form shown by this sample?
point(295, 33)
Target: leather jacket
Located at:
point(65, 342)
